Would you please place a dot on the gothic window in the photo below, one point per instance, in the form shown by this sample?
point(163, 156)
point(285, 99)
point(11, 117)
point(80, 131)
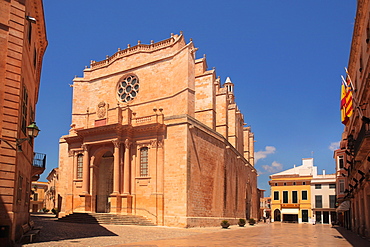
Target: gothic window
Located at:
point(128, 88)
point(144, 162)
point(79, 166)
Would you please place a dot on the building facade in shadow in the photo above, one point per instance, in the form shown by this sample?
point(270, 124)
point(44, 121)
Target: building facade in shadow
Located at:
point(22, 46)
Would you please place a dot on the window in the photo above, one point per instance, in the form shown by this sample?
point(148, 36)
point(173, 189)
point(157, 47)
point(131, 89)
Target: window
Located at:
point(303, 183)
point(332, 201)
point(285, 196)
point(34, 58)
point(144, 162)
point(24, 110)
point(29, 31)
point(294, 196)
point(318, 201)
point(20, 185)
point(331, 186)
point(79, 166)
point(276, 195)
point(128, 88)
point(317, 186)
point(27, 194)
point(276, 184)
point(340, 162)
point(304, 194)
point(284, 184)
point(294, 183)
point(341, 186)
point(35, 196)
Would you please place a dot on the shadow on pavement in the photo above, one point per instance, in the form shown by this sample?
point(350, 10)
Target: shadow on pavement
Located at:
point(54, 230)
point(351, 237)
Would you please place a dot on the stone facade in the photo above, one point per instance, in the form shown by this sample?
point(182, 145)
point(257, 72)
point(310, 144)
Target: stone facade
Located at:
point(353, 157)
point(154, 133)
point(22, 46)
point(38, 195)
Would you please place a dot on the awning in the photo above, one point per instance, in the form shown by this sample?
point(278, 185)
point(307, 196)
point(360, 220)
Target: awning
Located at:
point(344, 206)
point(290, 211)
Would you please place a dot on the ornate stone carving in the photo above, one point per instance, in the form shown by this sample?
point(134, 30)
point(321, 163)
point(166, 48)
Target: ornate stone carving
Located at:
point(102, 109)
point(127, 143)
point(156, 143)
point(116, 143)
point(85, 147)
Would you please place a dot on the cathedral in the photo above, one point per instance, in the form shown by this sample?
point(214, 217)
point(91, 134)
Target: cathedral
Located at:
point(155, 133)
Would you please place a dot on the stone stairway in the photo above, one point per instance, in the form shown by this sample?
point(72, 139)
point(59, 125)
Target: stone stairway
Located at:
point(105, 218)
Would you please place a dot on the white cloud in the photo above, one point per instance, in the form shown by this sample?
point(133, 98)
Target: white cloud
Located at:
point(334, 146)
point(275, 167)
point(262, 154)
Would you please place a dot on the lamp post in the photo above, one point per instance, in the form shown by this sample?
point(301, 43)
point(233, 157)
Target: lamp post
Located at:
point(32, 132)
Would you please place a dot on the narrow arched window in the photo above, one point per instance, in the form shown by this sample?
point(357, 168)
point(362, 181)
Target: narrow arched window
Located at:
point(79, 166)
point(144, 162)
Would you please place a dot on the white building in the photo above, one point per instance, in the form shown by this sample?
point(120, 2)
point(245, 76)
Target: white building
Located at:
point(323, 198)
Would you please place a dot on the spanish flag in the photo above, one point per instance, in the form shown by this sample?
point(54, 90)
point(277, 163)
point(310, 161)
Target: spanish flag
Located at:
point(346, 101)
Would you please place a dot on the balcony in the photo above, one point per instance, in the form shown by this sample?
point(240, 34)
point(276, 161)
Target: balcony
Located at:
point(38, 165)
point(362, 143)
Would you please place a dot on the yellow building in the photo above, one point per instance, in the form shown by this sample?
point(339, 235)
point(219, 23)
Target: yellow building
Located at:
point(37, 199)
point(291, 193)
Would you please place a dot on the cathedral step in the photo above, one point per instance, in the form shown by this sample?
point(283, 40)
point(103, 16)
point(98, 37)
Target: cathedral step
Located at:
point(103, 218)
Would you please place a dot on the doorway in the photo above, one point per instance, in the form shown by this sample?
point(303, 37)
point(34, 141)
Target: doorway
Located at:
point(325, 217)
point(104, 183)
point(304, 215)
point(277, 215)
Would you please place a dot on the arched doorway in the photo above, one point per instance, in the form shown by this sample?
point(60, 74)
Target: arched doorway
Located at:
point(104, 183)
point(277, 215)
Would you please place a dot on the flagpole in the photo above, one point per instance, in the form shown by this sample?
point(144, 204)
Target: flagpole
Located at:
point(350, 80)
point(357, 106)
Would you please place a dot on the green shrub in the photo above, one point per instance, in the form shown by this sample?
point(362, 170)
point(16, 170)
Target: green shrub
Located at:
point(225, 224)
point(251, 221)
point(241, 222)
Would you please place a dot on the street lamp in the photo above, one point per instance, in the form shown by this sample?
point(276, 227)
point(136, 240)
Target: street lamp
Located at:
point(32, 132)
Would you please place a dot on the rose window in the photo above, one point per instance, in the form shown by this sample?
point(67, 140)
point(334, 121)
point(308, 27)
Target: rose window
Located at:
point(128, 88)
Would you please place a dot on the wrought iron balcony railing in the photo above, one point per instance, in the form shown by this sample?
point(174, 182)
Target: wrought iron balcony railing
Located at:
point(39, 160)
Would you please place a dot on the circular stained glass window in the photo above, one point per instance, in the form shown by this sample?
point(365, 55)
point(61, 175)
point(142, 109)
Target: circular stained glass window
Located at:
point(128, 88)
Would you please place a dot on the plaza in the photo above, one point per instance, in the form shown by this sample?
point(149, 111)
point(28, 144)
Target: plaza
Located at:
point(56, 233)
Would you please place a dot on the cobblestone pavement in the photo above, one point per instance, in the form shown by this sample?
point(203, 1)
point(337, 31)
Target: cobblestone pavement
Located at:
point(56, 233)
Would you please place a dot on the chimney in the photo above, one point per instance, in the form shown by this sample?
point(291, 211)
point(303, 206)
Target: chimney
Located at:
point(323, 173)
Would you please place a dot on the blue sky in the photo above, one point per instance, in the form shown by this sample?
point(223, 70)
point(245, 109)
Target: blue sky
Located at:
point(284, 57)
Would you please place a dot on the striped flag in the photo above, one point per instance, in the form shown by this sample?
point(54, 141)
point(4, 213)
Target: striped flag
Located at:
point(346, 100)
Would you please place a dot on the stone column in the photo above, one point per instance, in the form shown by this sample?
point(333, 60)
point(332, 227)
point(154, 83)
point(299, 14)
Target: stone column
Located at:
point(116, 170)
point(126, 169)
point(86, 170)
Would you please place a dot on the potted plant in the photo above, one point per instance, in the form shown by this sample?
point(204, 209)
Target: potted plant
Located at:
point(225, 224)
point(241, 222)
point(55, 211)
point(251, 221)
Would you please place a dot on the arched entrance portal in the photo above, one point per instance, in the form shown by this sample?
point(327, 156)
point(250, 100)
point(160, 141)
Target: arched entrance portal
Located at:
point(104, 183)
point(277, 215)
